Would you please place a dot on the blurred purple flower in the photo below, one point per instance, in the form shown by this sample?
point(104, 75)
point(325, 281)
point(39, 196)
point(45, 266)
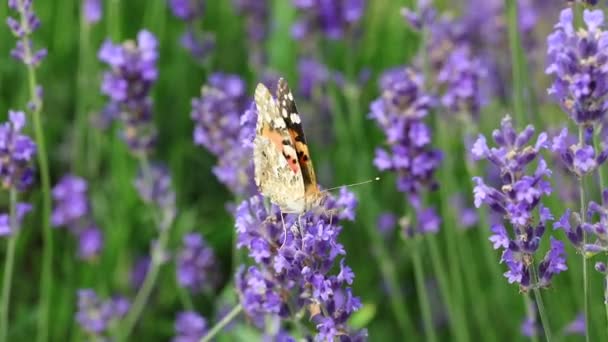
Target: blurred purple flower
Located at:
point(72, 210)
point(293, 265)
point(577, 326)
point(92, 11)
point(21, 210)
point(95, 316)
point(387, 223)
point(23, 29)
point(71, 201)
point(332, 18)
point(199, 44)
point(225, 125)
point(139, 271)
point(17, 152)
point(189, 327)
point(197, 267)
point(313, 76)
point(132, 74)
point(187, 9)
point(579, 63)
point(256, 13)
point(519, 200)
point(90, 243)
point(400, 112)
point(153, 184)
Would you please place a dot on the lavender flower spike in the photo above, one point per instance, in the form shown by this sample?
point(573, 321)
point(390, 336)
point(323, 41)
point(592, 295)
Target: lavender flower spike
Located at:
point(579, 62)
point(17, 152)
point(519, 200)
point(197, 268)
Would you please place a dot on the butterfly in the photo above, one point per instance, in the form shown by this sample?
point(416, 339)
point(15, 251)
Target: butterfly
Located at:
point(283, 169)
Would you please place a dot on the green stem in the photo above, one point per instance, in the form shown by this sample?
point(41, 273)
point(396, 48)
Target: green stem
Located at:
point(47, 252)
point(531, 314)
point(583, 214)
point(541, 307)
point(222, 323)
point(425, 306)
point(8, 266)
point(444, 288)
point(156, 261)
point(517, 61)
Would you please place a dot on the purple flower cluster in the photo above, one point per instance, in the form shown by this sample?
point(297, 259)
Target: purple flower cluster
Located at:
point(17, 152)
point(197, 267)
point(575, 228)
point(579, 62)
point(22, 29)
point(256, 13)
point(132, 74)
point(96, 316)
point(460, 72)
point(400, 112)
point(292, 265)
point(517, 199)
point(225, 124)
point(197, 42)
point(72, 210)
point(333, 19)
point(153, 184)
point(189, 327)
point(579, 157)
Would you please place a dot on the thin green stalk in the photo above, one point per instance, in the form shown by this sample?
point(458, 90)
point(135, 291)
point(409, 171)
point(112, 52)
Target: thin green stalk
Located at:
point(531, 314)
point(459, 331)
point(541, 307)
point(46, 282)
point(222, 323)
point(517, 61)
point(425, 306)
point(583, 214)
point(600, 174)
point(156, 262)
point(387, 267)
point(445, 173)
point(9, 264)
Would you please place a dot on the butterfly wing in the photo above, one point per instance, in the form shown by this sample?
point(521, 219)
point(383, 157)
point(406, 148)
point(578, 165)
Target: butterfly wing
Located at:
point(289, 113)
point(277, 171)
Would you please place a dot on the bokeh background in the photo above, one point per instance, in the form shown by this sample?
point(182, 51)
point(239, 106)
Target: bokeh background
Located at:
point(458, 261)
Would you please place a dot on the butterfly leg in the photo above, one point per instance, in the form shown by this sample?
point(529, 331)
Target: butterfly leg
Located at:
point(284, 231)
point(301, 229)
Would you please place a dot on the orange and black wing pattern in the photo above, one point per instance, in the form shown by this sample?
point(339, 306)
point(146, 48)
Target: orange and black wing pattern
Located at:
point(289, 112)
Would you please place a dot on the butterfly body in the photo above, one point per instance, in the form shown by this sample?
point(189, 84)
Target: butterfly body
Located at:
point(283, 169)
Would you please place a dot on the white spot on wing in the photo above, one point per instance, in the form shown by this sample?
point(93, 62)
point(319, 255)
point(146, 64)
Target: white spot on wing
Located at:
point(284, 112)
point(295, 118)
point(289, 96)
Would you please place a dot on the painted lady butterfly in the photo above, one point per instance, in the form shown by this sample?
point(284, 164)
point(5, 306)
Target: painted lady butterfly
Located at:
point(283, 168)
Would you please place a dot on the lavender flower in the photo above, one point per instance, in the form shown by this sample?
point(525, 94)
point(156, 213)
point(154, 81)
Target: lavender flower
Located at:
point(187, 9)
point(197, 42)
point(72, 210)
point(95, 316)
point(92, 11)
point(225, 125)
point(139, 271)
point(22, 29)
point(331, 18)
point(128, 84)
point(518, 200)
point(400, 112)
point(256, 17)
point(71, 201)
point(17, 152)
point(292, 268)
point(460, 79)
point(579, 63)
point(196, 264)
point(577, 326)
point(21, 210)
point(189, 327)
point(154, 186)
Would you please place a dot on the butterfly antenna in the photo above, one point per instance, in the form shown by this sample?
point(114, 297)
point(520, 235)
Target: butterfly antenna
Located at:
point(352, 184)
